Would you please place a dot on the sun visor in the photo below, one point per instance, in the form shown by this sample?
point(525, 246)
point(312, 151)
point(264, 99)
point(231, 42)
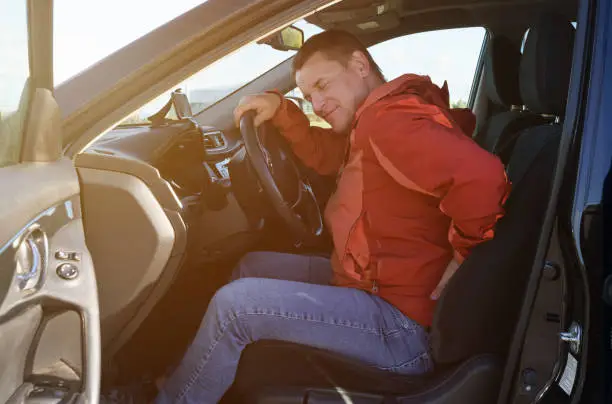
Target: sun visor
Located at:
point(359, 19)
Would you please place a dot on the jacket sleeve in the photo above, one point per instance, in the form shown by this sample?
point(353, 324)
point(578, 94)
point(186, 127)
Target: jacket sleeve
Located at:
point(319, 148)
point(431, 155)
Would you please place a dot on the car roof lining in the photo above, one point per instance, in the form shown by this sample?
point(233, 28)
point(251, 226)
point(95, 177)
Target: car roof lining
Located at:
point(375, 22)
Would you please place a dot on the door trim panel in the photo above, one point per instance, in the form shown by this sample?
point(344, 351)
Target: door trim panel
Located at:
point(17, 336)
point(48, 184)
point(63, 229)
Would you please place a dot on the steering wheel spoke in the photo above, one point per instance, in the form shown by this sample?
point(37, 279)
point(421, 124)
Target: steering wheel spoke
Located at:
point(308, 208)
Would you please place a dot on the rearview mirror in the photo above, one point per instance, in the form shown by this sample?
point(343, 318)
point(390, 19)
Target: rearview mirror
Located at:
point(288, 38)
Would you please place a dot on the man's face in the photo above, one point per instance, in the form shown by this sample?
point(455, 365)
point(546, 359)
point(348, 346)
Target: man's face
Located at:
point(335, 90)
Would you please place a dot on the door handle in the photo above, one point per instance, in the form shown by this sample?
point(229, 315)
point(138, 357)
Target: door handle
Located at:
point(36, 260)
point(31, 259)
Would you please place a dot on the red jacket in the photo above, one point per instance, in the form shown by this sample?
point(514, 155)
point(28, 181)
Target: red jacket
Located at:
point(414, 192)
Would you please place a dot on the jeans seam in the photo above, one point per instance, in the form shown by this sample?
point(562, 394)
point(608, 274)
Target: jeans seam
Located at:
point(409, 363)
point(236, 316)
point(205, 357)
point(375, 331)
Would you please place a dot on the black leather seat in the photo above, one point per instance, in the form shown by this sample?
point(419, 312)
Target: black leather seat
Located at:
point(478, 310)
point(501, 72)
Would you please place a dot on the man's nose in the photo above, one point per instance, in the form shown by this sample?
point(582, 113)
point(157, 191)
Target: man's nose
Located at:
point(318, 104)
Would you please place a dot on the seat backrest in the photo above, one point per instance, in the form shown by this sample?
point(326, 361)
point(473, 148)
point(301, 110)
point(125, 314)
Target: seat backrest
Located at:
point(502, 66)
point(478, 309)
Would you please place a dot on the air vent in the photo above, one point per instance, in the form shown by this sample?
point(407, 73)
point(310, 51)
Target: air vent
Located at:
point(214, 140)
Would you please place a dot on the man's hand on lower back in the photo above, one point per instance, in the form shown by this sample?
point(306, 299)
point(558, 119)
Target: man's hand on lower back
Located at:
point(448, 273)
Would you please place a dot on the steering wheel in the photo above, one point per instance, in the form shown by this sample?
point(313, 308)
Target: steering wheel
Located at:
point(288, 190)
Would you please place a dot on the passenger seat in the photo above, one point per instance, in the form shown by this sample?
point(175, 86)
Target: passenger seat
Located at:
point(501, 70)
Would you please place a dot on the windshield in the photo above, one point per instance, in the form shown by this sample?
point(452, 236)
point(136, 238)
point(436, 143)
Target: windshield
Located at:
point(85, 32)
point(223, 77)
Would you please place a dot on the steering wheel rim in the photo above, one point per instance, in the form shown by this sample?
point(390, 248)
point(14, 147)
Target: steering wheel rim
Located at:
point(303, 216)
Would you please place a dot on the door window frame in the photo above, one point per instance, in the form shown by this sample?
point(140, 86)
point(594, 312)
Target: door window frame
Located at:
point(39, 20)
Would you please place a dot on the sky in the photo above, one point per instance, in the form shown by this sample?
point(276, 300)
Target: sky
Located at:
point(13, 52)
point(86, 31)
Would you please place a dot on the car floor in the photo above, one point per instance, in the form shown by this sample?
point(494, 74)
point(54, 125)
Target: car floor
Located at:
point(165, 334)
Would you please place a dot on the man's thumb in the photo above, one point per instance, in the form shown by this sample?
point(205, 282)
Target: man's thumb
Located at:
point(238, 112)
point(435, 295)
point(258, 120)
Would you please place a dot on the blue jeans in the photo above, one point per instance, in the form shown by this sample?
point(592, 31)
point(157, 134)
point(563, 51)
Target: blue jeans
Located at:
point(287, 297)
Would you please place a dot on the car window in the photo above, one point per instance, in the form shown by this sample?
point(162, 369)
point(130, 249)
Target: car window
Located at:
point(223, 77)
point(14, 73)
point(449, 55)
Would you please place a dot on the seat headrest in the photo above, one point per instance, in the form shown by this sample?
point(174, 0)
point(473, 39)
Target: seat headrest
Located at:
point(501, 70)
point(546, 65)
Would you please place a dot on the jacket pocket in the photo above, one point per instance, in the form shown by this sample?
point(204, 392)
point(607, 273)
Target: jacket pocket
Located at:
point(357, 255)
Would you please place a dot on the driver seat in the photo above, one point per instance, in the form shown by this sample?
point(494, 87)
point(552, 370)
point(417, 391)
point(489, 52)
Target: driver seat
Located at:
point(478, 310)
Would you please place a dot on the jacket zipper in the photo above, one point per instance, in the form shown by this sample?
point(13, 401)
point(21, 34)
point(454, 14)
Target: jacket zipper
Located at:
point(374, 287)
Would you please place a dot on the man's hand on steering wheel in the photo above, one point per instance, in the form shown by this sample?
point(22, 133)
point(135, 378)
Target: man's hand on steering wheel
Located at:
point(264, 105)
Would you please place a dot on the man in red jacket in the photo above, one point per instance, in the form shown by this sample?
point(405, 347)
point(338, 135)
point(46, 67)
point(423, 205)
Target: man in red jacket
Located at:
point(414, 196)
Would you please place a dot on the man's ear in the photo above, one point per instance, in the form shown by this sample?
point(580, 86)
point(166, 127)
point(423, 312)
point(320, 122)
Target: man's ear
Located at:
point(360, 63)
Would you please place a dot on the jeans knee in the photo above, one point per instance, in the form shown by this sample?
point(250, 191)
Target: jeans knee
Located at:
point(229, 305)
point(233, 297)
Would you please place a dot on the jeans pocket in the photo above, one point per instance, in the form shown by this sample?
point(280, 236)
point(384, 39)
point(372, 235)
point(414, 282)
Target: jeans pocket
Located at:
point(411, 348)
point(420, 364)
point(403, 321)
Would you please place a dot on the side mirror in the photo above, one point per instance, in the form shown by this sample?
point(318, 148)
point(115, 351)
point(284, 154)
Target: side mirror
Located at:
point(288, 38)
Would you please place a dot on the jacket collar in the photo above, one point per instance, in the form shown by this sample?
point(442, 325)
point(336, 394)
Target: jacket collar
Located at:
point(407, 83)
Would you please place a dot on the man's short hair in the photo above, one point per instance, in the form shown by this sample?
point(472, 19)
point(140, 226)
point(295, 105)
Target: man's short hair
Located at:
point(335, 45)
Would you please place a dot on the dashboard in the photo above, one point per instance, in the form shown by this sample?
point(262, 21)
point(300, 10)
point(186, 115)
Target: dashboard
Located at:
point(159, 199)
point(199, 172)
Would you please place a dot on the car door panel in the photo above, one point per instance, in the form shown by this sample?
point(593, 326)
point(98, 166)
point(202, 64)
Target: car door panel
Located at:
point(22, 202)
point(45, 270)
point(61, 360)
point(17, 336)
point(43, 281)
